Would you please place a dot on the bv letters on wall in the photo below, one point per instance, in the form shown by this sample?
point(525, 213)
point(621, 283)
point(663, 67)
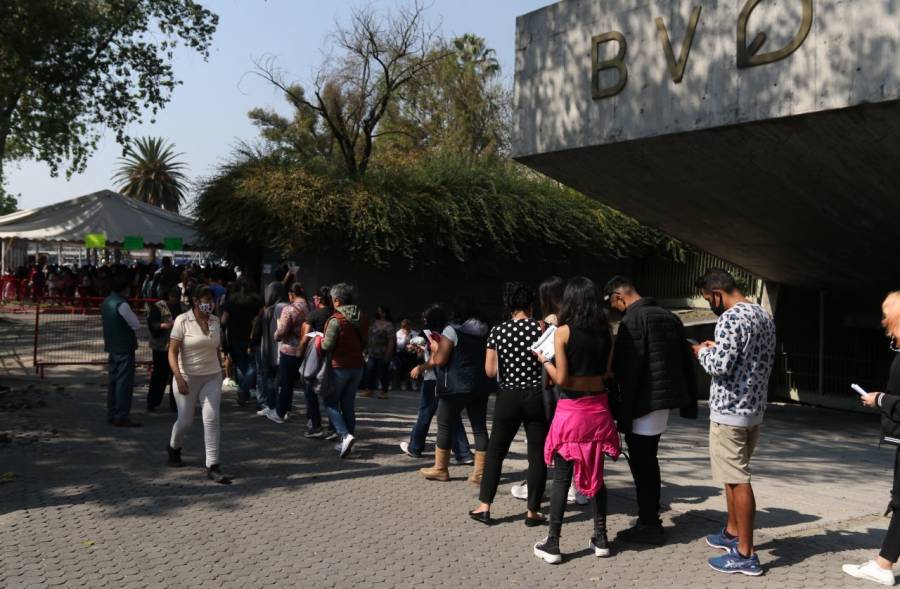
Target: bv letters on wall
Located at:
point(747, 55)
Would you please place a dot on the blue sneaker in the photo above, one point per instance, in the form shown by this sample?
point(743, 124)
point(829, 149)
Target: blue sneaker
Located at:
point(722, 541)
point(732, 562)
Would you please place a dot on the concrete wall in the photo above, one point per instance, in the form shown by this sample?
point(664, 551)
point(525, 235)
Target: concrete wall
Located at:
point(849, 57)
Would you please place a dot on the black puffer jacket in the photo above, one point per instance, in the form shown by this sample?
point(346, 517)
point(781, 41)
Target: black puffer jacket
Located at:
point(890, 406)
point(653, 365)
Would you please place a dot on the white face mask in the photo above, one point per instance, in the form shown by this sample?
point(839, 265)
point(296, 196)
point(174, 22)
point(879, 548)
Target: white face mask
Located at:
point(206, 308)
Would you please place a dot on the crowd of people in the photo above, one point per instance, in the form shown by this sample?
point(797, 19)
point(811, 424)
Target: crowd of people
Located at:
point(554, 364)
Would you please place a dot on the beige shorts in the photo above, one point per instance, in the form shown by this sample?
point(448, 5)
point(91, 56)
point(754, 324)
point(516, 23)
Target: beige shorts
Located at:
point(730, 450)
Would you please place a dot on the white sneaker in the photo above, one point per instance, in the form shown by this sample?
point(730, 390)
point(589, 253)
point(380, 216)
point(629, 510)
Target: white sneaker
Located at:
point(273, 416)
point(520, 491)
point(347, 444)
point(570, 498)
point(871, 572)
point(262, 412)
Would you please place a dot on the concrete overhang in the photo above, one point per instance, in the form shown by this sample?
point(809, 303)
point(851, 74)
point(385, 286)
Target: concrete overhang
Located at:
point(788, 167)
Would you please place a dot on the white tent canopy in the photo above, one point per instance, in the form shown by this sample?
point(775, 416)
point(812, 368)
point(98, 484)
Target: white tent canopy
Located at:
point(104, 212)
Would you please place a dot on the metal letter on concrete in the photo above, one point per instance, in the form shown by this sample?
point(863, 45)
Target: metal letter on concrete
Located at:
point(616, 63)
point(676, 68)
point(747, 57)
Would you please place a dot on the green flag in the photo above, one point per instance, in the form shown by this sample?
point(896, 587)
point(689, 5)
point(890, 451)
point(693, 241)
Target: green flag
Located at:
point(173, 244)
point(94, 240)
point(133, 242)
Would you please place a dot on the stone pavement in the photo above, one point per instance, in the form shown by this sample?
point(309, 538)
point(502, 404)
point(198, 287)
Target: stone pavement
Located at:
point(83, 504)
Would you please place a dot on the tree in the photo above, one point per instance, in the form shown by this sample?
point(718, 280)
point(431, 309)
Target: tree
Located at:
point(69, 68)
point(378, 56)
point(459, 105)
point(149, 172)
point(8, 203)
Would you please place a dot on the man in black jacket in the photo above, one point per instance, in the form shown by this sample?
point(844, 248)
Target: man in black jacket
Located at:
point(653, 367)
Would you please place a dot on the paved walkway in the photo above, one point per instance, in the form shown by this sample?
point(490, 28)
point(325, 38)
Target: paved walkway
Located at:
point(85, 505)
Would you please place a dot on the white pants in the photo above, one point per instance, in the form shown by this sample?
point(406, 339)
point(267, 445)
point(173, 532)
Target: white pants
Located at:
point(208, 389)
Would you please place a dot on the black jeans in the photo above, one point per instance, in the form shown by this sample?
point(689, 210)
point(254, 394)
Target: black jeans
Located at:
point(288, 373)
point(644, 465)
point(451, 406)
point(512, 409)
point(890, 548)
point(562, 479)
point(160, 377)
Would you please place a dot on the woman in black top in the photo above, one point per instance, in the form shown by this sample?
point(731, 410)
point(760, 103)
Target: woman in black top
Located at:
point(880, 570)
point(583, 429)
point(520, 400)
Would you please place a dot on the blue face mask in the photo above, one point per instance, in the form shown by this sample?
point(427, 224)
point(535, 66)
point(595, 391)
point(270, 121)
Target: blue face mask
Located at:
point(205, 308)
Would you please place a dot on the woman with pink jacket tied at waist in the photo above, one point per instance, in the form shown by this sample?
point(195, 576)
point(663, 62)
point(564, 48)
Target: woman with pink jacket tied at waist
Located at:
point(582, 431)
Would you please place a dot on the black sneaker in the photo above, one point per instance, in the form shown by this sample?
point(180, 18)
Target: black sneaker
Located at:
point(643, 534)
point(331, 435)
point(548, 550)
point(315, 433)
point(125, 422)
point(214, 473)
point(600, 545)
point(174, 457)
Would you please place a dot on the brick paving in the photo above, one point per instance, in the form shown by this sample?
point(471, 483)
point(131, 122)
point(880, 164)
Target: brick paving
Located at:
point(88, 505)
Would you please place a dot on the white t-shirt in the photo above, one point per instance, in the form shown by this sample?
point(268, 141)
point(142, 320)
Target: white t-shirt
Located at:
point(450, 334)
point(199, 351)
point(652, 424)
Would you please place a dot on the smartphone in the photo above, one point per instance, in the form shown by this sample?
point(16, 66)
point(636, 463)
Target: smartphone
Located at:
point(692, 341)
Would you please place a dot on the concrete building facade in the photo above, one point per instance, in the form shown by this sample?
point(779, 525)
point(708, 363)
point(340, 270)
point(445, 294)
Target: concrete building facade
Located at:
point(762, 131)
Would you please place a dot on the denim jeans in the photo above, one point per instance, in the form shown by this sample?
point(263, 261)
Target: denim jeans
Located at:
point(160, 378)
point(341, 404)
point(121, 385)
point(266, 385)
point(241, 361)
point(288, 372)
point(377, 376)
point(313, 412)
point(427, 407)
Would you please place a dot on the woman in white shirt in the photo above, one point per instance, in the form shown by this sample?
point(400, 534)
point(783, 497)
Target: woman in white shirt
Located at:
point(196, 362)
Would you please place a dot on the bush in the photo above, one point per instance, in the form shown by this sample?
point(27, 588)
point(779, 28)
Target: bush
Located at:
point(441, 210)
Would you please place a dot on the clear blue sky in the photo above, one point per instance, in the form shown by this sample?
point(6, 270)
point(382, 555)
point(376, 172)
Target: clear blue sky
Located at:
point(207, 114)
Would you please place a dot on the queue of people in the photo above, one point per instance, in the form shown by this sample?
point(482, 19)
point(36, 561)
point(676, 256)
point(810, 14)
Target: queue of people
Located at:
point(574, 398)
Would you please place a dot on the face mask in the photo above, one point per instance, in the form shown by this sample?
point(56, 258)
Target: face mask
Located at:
point(719, 308)
point(206, 308)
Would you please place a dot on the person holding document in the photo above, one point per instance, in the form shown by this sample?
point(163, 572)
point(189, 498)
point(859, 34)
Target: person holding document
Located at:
point(880, 570)
point(653, 367)
point(520, 401)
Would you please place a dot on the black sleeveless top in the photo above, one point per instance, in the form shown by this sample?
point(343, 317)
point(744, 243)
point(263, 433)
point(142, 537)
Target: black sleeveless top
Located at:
point(588, 351)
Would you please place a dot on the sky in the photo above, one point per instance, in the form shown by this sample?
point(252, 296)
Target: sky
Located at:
point(207, 115)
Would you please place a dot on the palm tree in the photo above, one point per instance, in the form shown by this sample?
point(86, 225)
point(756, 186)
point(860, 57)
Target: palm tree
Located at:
point(472, 51)
point(149, 172)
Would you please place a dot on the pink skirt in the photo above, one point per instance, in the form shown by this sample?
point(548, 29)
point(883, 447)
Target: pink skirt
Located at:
point(583, 431)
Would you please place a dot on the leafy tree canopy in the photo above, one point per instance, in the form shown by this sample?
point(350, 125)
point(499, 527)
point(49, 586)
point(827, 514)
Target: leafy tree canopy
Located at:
point(69, 68)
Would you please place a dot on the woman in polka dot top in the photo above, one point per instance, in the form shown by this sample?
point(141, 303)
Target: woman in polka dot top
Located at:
point(520, 400)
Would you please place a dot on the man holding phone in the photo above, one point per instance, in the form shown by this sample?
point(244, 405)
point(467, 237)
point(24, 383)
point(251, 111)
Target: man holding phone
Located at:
point(740, 362)
point(654, 369)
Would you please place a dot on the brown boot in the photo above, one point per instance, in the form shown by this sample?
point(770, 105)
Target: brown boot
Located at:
point(478, 469)
point(439, 471)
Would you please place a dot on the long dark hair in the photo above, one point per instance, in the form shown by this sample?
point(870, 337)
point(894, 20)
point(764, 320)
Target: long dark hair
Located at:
point(550, 293)
point(581, 306)
point(435, 318)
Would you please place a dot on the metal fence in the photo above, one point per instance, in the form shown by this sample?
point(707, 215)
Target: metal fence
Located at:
point(72, 334)
point(669, 279)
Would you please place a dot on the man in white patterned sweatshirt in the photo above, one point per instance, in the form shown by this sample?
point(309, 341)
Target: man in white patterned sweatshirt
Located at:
point(740, 362)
